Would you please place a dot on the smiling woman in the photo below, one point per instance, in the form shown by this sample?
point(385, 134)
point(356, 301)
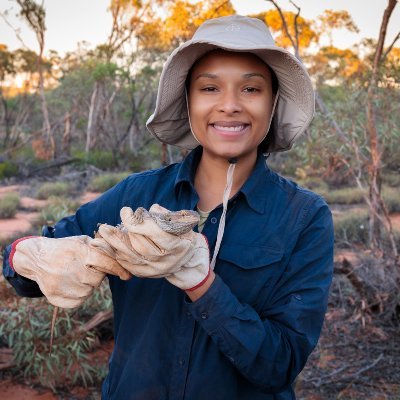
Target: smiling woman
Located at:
point(230, 104)
point(242, 323)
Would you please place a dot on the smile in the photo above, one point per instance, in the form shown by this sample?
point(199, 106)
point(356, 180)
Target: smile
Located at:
point(235, 128)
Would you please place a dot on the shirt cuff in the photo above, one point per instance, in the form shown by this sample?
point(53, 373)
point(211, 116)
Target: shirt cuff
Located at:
point(216, 306)
point(23, 286)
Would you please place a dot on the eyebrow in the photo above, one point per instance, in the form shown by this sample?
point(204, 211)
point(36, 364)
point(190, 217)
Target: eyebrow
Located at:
point(246, 76)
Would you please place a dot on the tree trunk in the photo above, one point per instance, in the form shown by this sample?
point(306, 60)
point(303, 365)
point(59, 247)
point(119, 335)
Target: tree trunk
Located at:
point(92, 117)
point(66, 139)
point(377, 213)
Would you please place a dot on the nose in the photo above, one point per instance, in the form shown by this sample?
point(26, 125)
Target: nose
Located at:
point(229, 102)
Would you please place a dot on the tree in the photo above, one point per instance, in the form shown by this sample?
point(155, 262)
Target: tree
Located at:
point(34, 15)
point(365, 161)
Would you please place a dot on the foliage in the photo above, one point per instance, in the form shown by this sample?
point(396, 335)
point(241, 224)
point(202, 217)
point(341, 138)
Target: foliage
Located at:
point(9, 205)
point(351, 227)
point(25, 327)
point(102, 159)
point(49, 189)
point(58, 208)
point(104, 182)
point(349, 195)
point(8, 169)
point(391, 197)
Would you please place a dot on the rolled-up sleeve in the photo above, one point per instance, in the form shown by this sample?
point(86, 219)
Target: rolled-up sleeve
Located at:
point(271, 347)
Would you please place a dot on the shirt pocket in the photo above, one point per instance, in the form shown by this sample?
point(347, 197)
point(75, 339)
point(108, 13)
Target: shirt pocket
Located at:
point(249, 270)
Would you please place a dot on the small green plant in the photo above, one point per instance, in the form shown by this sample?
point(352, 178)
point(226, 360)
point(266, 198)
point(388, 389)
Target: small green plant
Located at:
point(351, 227)
point(391, 196)
point(9, 205)
point(25, 327)
point(49, 189)
point(8, 169)
point(349, 195)
point(58, 208)
point(104, 160)
point(104, 182)
point(391, 178)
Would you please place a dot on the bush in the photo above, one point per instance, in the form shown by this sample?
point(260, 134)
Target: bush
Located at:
point(8, 169)
point(351, 227)
point(49, 189)
point(58, 208)
point(104, 160)
point(344, 196)
point(391, 196)
point(104, 182)
point(391, 178)
point(9, 205)
point(25, 327)
point(315, 184)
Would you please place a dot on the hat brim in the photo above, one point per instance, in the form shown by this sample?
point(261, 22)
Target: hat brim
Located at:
point(294, 110)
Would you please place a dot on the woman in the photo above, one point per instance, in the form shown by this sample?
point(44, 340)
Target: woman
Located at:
point(242, 325)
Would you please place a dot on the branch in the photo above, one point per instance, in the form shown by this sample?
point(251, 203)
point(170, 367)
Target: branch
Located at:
point(296, 29)
point(15, 31)
point(382, 34)
point(285, 27)
point(389, 49)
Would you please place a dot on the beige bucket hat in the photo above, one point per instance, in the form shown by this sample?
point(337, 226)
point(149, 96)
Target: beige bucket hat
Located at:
point(295, 106)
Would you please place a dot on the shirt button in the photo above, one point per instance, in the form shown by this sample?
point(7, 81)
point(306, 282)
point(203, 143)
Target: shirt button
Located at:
point(181, 362)
point(204, 315)
point(213, 220)
point(188, 313)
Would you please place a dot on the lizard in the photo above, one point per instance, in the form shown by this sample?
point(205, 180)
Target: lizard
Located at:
point(174, 222)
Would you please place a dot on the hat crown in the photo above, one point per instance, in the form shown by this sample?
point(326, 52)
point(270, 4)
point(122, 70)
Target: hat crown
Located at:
point(235, 30)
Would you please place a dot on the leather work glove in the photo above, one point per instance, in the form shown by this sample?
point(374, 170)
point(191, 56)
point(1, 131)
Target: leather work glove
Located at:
point(67, 270)
point(147, 250)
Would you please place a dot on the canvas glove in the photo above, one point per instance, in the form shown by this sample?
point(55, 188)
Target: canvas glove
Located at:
point(67, 270)
point(147, 250)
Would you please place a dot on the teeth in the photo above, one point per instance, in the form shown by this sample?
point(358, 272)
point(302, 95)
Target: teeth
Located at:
point(229, 128)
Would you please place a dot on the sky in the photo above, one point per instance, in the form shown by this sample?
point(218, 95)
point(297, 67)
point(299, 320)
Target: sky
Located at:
point(71, 21)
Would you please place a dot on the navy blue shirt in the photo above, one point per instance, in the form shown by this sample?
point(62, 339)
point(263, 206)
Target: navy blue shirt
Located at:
point(250, 334)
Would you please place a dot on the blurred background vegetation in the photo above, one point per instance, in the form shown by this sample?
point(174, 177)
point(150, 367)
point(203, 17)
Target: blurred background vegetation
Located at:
point(76, 122)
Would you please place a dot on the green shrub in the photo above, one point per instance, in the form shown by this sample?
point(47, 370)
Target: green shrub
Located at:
point(351, 227)
point(8, 169)
point(315, 184)
point(104, 160)
point(104, 182)
point(9, 204)
point(391, 179)
point(49, 189)
point(25, 327)
point(344, 196)
point(58, 208)
point(391, 196)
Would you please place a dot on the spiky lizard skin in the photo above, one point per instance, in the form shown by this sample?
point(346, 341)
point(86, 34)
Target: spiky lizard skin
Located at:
point(174, 222)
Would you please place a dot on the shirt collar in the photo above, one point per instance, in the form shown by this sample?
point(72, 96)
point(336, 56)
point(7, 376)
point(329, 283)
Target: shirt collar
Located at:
point(188, 168)
point(254, 190)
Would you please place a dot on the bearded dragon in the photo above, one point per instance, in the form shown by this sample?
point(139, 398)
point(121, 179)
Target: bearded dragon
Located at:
point(174, 222)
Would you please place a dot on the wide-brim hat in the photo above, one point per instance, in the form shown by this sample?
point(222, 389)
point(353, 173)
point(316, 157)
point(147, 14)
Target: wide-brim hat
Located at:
point(295, 106)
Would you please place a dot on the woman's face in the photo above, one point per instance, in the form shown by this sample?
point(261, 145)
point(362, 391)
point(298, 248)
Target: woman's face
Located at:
point(230, 103)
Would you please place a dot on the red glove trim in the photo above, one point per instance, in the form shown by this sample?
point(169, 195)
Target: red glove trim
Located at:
point(201, 283)
point(14, 249)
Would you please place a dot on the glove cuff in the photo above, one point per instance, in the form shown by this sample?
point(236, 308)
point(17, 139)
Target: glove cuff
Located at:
point(14, 249)
point(200, 283)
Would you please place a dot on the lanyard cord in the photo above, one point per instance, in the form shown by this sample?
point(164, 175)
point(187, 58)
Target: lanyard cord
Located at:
point(221, 226)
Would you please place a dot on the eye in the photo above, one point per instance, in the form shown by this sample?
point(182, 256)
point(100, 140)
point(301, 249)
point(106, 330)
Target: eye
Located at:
point(251, 89)
point(209, 89)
